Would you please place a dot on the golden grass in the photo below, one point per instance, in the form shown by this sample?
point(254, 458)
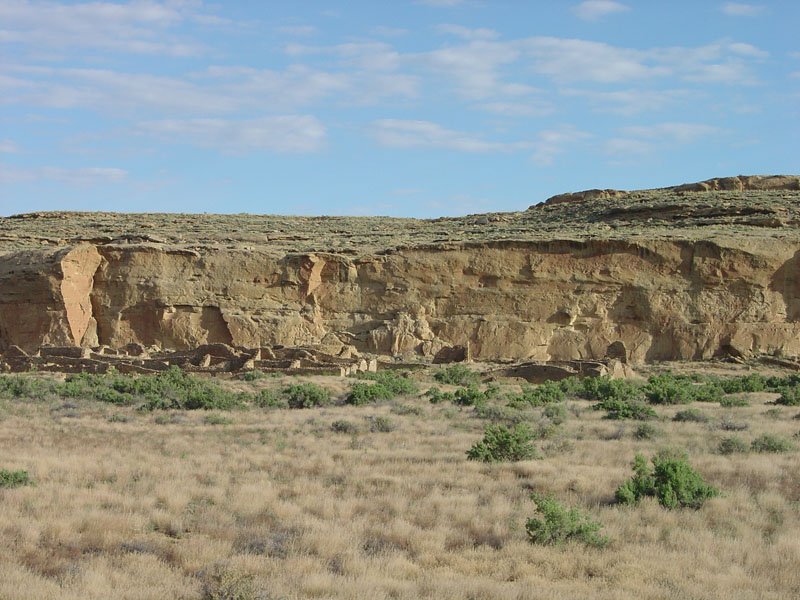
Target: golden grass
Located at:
point(277, 505)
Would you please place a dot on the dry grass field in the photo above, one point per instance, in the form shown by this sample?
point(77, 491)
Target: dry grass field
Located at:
point(274, 503)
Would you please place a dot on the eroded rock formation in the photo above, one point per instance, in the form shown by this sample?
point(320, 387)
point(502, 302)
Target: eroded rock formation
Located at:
point(702, 280)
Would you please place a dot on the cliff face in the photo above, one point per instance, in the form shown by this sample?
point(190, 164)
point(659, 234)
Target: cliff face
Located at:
point(691, 295)
point(545, 300)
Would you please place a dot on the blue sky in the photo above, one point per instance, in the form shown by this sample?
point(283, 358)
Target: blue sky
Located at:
point(418, 108)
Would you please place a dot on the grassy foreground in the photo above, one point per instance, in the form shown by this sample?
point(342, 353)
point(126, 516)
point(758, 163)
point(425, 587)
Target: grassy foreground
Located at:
point(378, 500)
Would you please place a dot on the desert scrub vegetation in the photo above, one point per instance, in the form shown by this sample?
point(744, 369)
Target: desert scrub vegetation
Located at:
point(387, 385)
point(560, 523)
point(281, 504)
point(670, 479)
point(14, 479)
point(545, 393)
point(470, 395)
point(771, 443)
point(501, 443)
point(457, 374)
point(306, 395)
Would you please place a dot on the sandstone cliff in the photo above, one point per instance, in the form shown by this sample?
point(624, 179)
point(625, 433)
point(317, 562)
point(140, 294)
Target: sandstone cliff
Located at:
point(677, 273)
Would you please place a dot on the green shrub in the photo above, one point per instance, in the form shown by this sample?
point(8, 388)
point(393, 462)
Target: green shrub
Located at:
point(342, 426)
point(306, 395)
point(27, 388)
point(367, 393)
point(546, 393)
point(605, 388)
point(500, 443)
point(14, 479)
point(622, 409)
point(679, 389)
point(435, 396)
point(670, 479)
point(691, 414)
point(789, 397)
point(570, 385)
point(456, 374)
point(646, 431)
point(747, 383)
point(733, 401)
point(254, 375)
point(388, 384)
point(769, 442)
point(560, 523)
point(472, 395)
point(169, 389)
point(732, 444)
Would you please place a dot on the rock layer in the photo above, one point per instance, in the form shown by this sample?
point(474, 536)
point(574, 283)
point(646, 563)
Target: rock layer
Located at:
point(695, 294)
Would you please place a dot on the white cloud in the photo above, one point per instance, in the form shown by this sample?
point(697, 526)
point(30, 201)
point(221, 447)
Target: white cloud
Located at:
point(475, 68)
point(299, 30)
point(291, 133)
point(517, 109)
point(395, 133)
point(681, 133)
point(466, 33)
point(747, 50)
point(592, 10)
point(552, 142)
point(738, 9)
point(576, 60)
point(9, 147)
point(84, 176)
point(631, 101)
point(139, 27)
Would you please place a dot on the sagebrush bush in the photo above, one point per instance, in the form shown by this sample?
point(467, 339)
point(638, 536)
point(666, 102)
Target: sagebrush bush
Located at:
point(500, 443)
point(381, 425)
point(306, 395)
point(268, 398)
point(495, 413)
point(769, 442)
point(691, 415)
point(560, 523)
point(14, 479)
point(456, 374)
point(646, 431)
point(671, 480)
point(342, 426)
point(732, 444)
point(557, 413)
point(27, 388)
point(733, 401)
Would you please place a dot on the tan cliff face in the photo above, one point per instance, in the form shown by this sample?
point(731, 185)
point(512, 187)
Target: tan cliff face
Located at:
point(540, 294)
